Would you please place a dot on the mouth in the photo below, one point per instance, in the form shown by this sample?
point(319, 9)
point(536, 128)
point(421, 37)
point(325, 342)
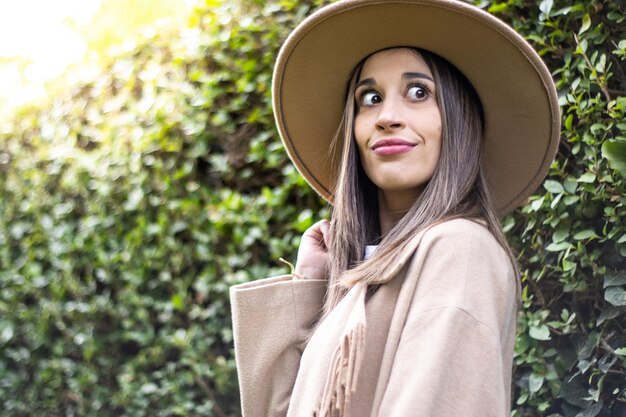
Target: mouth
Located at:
point(392, 146)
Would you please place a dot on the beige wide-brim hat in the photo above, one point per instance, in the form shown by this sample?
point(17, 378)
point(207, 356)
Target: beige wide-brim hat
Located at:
point(522, 120)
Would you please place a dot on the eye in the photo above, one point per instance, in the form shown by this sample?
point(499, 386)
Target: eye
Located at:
point(417, 92)
point(370, 98)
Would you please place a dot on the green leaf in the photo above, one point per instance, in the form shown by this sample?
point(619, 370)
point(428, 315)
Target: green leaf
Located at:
point(560, 234)
point(536, 204)
point(621, 351)
point(601, 65)
point(556, 201)
point(498, 8)
point(178, 302)
point(149, 388)
point(568, 265)
point(539, 332)
point(545, 6)
point(587, 178)
point(615, 279)
point(508, 223)
point(304, 221)
point(535, 382)
point(615, 153)
point(586, 24)
point(557, 246)
point(615, 296)
point(7, 331)
point(570, 185)
point(585, 234)
point(554, 187)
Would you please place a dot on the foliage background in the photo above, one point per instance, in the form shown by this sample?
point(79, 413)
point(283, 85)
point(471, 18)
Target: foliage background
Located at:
point(130, 203)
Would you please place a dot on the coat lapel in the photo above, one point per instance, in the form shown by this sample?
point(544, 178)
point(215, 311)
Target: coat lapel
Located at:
point(405, 255)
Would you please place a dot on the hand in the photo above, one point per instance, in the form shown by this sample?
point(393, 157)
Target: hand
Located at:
point(313, 251)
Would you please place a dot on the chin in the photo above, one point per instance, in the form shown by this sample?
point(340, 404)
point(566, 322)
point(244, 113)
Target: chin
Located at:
point(401, 188)
point(393, 185)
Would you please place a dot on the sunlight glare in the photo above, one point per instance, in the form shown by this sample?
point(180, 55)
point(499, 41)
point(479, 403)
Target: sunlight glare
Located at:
point(39, 43)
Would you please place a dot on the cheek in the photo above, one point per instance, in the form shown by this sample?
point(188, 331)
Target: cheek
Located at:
point(435, 135)
point(361, 133)
point(434, 119)
point(434, 157)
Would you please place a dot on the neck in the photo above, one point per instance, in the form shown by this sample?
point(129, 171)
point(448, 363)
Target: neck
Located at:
point(392, 206)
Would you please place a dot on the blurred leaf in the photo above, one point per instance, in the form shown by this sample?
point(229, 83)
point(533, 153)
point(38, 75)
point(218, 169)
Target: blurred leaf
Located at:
point(587, 178)
point(535, 382)
point(585, 25)
point(585, 234)
point(615, 296)
point(539, 332)
point(615, 153)
point(615, 279)
point(554, 187)
point(545, 6)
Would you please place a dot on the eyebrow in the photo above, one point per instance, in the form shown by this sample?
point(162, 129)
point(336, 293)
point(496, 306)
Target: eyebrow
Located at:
point(405, 76)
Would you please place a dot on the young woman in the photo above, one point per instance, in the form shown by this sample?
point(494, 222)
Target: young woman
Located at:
point(404, 304)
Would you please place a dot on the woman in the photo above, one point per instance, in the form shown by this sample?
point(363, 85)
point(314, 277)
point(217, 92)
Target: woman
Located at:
point(404, 303)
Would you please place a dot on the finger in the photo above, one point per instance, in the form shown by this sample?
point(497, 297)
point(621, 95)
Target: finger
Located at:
point(315, 230)
point(325, 228)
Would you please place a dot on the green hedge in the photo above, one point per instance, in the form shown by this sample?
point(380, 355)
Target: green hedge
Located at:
point(129, 205)
point(571, 346)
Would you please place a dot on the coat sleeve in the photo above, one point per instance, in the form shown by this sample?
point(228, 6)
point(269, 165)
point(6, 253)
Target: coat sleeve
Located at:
point(454, 352)
point(271, 322)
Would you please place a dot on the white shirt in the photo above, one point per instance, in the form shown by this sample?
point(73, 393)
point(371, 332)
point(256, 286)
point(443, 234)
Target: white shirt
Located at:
point(369, 251)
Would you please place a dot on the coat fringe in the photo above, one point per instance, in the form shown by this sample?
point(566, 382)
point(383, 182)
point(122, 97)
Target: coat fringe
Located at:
point(343, 374)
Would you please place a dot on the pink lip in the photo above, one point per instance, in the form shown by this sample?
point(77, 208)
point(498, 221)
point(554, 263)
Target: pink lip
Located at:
point(393, 146)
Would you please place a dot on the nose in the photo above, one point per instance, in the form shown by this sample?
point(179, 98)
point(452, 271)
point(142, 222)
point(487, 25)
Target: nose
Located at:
point(389, 116)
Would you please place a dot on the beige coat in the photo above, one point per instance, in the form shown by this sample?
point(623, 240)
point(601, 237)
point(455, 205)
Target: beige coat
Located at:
point(436, 339)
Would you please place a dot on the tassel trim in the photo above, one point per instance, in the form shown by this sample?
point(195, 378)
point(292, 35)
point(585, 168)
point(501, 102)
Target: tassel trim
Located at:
point(343, 374)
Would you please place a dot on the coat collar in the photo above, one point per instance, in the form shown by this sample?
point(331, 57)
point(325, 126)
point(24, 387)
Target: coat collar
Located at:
point(409, 248)
point(406, 253)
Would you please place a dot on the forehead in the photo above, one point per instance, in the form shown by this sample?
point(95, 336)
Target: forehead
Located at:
point(392, 61)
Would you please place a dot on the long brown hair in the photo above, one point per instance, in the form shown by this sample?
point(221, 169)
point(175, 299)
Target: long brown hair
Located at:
point(456, 189)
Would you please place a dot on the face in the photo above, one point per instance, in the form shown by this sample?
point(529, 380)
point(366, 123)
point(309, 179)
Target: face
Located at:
point(398, 124)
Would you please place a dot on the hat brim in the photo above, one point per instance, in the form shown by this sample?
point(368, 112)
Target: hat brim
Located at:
point(522, 119)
